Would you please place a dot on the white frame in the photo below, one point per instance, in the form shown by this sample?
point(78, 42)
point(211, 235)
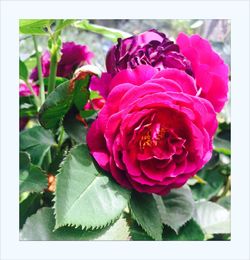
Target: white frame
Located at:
point(238, 12)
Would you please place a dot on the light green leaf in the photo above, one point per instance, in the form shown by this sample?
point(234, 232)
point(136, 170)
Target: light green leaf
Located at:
point(213, 218)
point(191, 231)
point(40, 227)
point(81, 93)
point(32, 178)
point(225, 202)
point(56, 106)
point(85, 197)
point(34, 27)
point(37, 142)
point(144, 210)
point(176, 208)
point(110, 33)
point(23, 71)
point(63, 24)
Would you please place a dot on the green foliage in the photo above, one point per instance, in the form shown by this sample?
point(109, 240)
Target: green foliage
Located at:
point(110, 33)
point(81, 93)
point(27, 106)
point(34, 27)
point(23, 71)
point(213, 218)
point(28, 207)
point(37, 142)
point(84, 196)
point(222, 146)
point(215, 180)
point(137, 233)
point(74, 128)
point(191, 231)
point(31, 178)
point(56, 106)
point(176, 208)
point(40, 227)
point(144, 210)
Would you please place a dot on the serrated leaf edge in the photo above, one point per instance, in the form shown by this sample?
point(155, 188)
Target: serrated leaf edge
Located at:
point(144, 228)
point(71, 224)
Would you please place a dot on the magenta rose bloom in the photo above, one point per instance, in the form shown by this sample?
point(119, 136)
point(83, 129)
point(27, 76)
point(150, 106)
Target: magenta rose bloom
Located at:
point(153, 132)
point(73, 56)
point(210, 71)
point(151, 48)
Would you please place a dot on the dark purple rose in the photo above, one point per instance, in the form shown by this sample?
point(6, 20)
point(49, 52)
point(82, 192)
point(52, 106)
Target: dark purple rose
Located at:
point(148, 48)
point(73, 56)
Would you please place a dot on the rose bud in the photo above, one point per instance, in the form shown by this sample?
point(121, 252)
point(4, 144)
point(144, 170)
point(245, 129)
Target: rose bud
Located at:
point(73, 56)
point(153, 133)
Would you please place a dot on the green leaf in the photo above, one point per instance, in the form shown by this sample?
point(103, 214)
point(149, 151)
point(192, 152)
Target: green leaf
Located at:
point(110, 33)
point(144, 210)
point(84, 197)
point(32, 178)
point(225, 202)
point(191, 231)
point(37, 142)
point(31, 62)
point(56, 106)
point(63, 24)
point(59, 81)
point(27, 106)
point(222, 146)
point(176, 208)
point(87, 113)
point(34, 27)
point(137, 233)
point(81, 93)
point(74, 128)
point(213, 218)
point(40, 227)
point(23, 71)
point(28, 207)
point(214, 183)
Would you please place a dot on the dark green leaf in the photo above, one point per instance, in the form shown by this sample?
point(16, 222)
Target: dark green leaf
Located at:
point(28, 207)
point(176, 208)
point(34, 27)
point(40, 227)
point(214, 183)
point(74, 128)
point(87, 113)
point(27, 106)
point(137, 233)
point(144, 210)
point(59, 81)
point(37, 142)
point(81, 93)
point(56, 106)
point(191, 231)
point(23, 71)
point(85, 197)
point(32, 178)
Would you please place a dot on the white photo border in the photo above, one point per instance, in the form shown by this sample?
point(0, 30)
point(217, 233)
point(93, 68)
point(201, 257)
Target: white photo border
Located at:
point(238, 13)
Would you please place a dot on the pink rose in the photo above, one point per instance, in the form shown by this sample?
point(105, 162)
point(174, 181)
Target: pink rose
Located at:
point(210, 71)
point(153, 132)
